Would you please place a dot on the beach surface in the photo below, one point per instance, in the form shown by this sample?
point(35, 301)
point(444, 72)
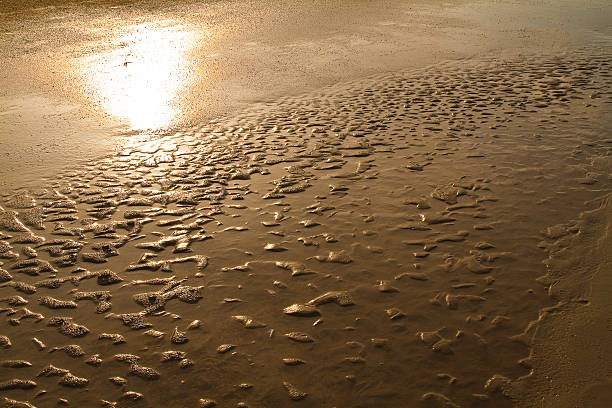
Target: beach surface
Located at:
point(408, 205)
point(79, 79)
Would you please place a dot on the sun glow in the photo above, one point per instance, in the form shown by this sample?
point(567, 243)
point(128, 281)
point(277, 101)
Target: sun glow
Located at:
point(138, 80)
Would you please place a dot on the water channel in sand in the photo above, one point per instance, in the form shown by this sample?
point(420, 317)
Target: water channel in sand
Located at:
point(376, 242)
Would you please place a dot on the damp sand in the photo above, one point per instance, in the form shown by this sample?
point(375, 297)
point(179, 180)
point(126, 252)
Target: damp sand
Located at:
point(571, 345)
point(376, 243)
point(76, 78)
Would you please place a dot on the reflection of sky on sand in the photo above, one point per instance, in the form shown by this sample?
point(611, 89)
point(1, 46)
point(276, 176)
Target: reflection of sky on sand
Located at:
point(139, 79)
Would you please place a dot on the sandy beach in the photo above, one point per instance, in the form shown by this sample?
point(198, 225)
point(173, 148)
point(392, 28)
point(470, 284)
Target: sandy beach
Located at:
point(79, 78)
point(327, 204)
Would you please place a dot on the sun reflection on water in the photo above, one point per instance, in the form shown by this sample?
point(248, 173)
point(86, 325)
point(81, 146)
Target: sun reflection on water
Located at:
point(139, 79)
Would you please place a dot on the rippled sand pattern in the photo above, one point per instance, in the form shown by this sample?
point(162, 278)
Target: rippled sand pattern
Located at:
point(377, 243)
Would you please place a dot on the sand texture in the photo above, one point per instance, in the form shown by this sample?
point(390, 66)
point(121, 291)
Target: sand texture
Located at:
point(376, 243)
point(77, 78)
point(571, 344)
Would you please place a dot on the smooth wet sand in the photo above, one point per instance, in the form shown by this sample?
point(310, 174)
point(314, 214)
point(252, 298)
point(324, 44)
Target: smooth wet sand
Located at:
point(426, 237)
point(572, 346)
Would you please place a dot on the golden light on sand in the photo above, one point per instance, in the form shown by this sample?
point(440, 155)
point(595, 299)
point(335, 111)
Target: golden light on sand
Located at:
point(138, 80)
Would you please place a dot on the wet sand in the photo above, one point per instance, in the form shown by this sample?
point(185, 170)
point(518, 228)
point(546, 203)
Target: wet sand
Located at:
point(572, 346)
point(428, 237)
point(76, 76)
point(376, 243)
